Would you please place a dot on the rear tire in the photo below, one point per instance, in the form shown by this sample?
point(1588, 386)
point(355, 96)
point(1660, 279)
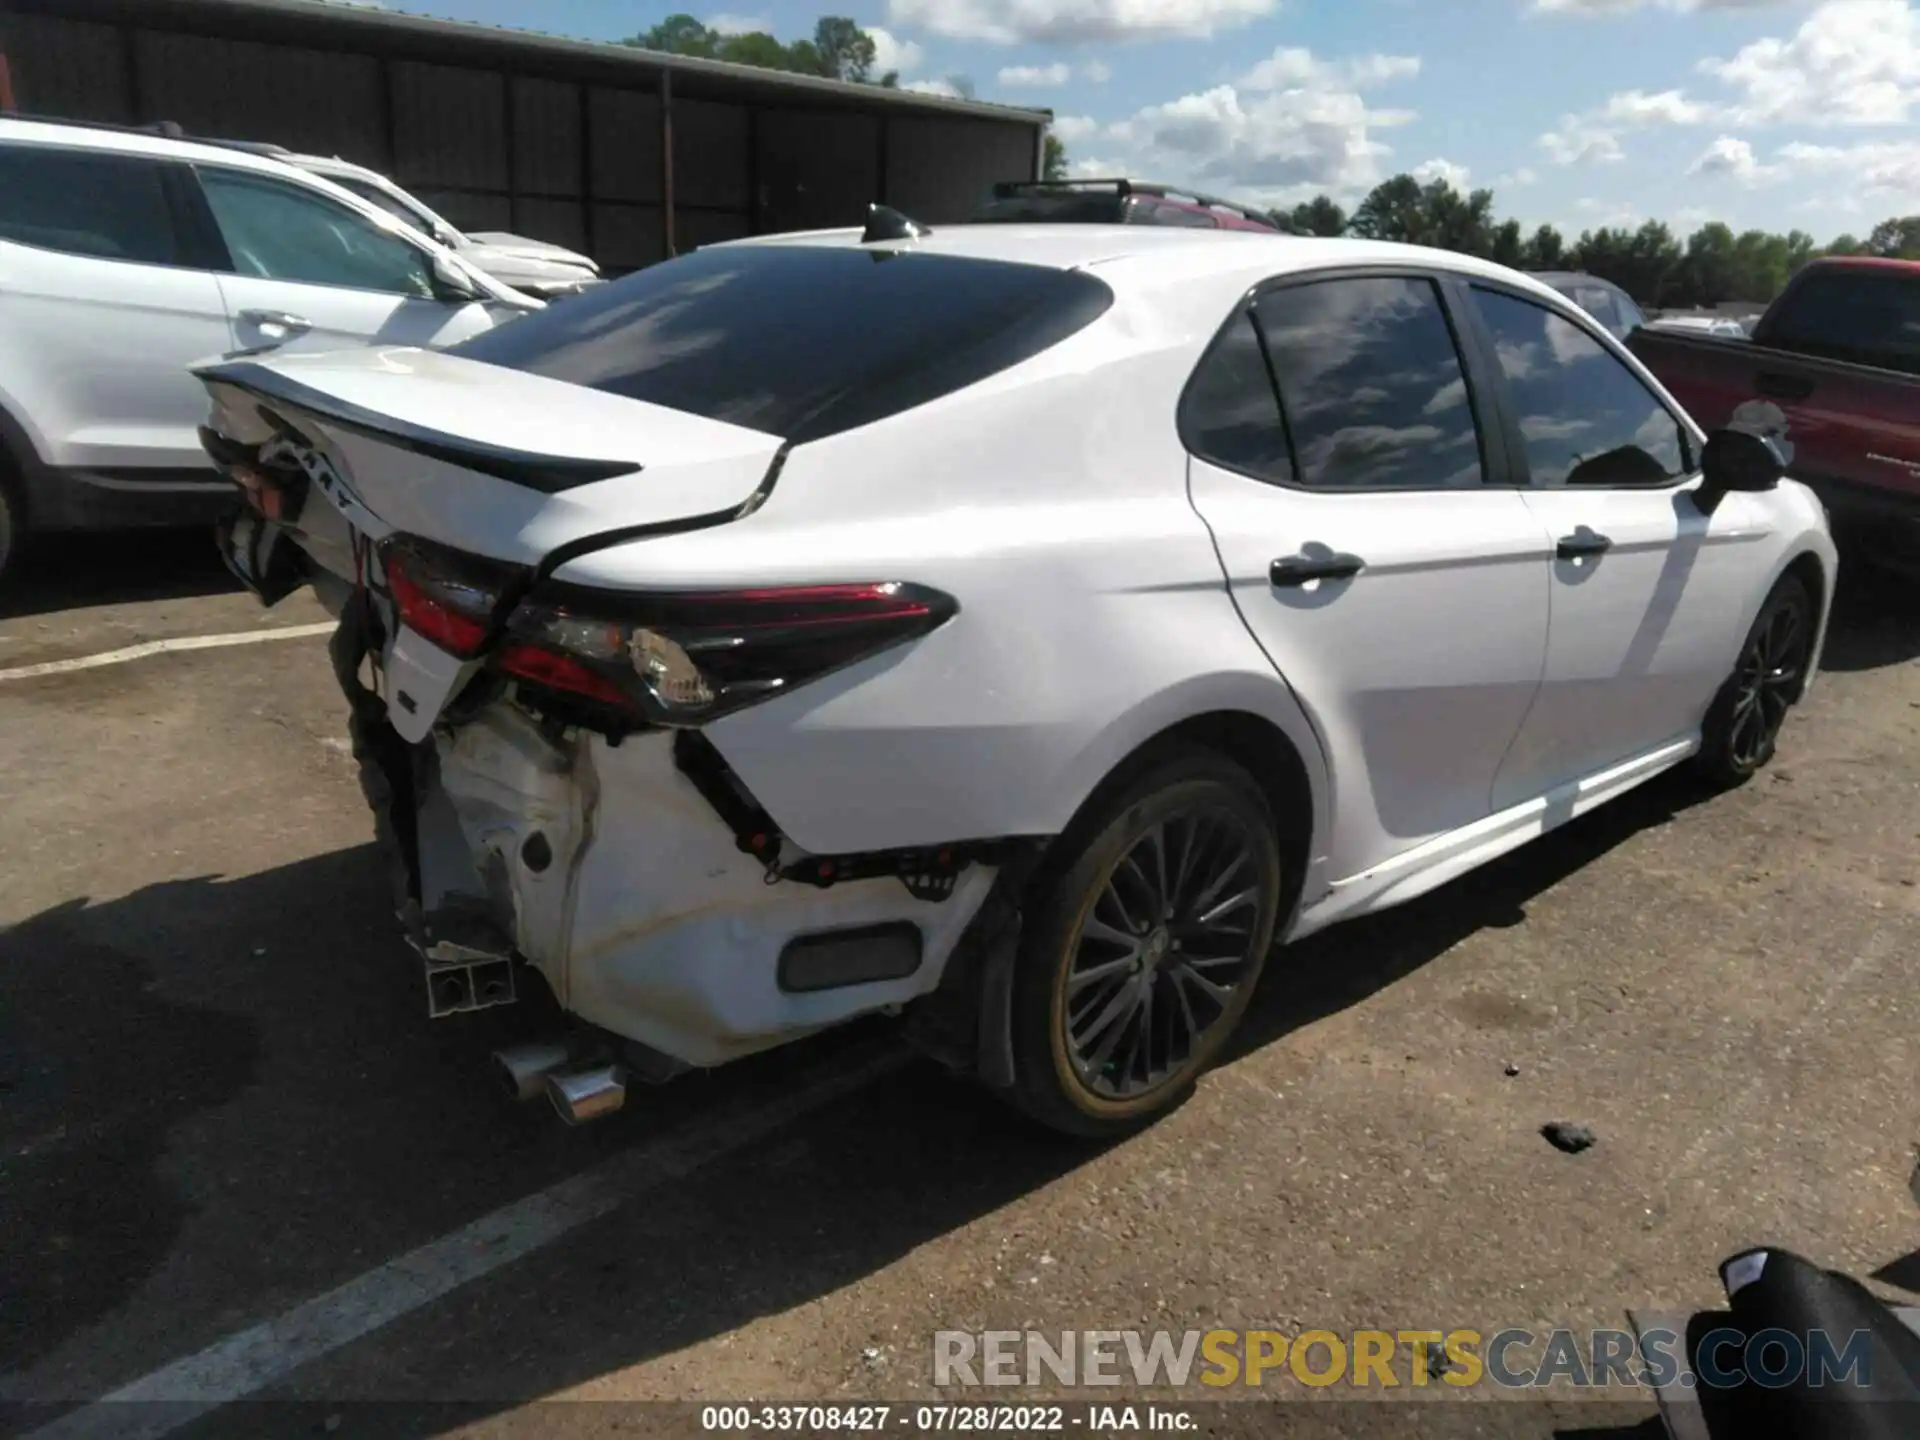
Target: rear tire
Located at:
point(1743, 723)
point(1142, 949)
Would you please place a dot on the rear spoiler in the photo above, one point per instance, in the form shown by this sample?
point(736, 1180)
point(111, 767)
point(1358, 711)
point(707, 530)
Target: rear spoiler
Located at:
point(547, 474)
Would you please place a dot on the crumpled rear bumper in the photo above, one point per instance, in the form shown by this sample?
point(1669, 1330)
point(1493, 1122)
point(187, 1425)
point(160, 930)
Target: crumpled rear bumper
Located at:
point(611, 874)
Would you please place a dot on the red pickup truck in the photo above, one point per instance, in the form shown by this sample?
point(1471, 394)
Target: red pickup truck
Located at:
point(1833, 368)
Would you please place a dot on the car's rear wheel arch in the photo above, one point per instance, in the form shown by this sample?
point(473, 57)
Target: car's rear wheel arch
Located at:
point(1256, 745)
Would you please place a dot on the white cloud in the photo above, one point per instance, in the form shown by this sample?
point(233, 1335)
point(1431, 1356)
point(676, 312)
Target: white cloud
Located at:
point(1730, 155)
point(1438, 169)
point(1009, 22)
point(890, 52)
point(1581, 142)
point(1637, 107)
point(1091, 169)
point(1072, 129)
point(1621, 7)
point(1294, 127)
point(1853, 62)
point(1291, 67)
point(1886, 172)
point(741, 24)
point(1058, 73)
point(934, 87)
point(1516, 179)
point(1032, 76)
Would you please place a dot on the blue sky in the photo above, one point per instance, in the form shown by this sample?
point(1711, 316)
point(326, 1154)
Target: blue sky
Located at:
point(1761, 113)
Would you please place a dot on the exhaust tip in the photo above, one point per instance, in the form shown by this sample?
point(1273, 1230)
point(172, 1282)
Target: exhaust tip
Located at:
point(523, 1069)
point(582, 1095)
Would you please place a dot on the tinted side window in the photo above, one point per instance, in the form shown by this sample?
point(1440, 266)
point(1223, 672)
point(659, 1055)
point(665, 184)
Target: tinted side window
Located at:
point(1863, 317)
point(1231, 415)
point(800, 341)
point(1371, 384)
point(385, 201)
point(1585, 417)
point(276, 231)
point(109, 207)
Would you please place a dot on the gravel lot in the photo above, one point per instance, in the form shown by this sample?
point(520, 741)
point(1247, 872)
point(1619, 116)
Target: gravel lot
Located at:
point(220, 1095)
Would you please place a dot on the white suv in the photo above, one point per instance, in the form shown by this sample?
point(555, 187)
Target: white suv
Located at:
point(126, 257)
point(538, 267)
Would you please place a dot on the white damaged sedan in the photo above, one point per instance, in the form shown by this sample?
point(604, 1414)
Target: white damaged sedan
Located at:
point(1017, 629)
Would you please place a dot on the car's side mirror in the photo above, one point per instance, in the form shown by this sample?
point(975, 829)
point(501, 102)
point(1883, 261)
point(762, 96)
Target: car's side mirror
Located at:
point(452, 284)
point(1738, 460)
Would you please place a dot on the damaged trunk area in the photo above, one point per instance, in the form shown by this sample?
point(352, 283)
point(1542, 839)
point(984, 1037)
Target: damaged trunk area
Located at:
point(536, 753)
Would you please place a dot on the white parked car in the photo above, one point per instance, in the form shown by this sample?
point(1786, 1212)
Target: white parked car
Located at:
point(126, 257)
point(1700, 325)
point(537, 267)
point(1106, 604)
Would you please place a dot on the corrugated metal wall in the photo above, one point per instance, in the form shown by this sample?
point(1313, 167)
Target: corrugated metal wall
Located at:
point(580, 165)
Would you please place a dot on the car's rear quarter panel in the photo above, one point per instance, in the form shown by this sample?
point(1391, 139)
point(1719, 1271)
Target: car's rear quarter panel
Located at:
point(1051, 503)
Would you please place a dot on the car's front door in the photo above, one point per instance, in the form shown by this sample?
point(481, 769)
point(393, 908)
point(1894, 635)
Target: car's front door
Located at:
point(308, 273)
point(1355, 499)
point(1649, 593)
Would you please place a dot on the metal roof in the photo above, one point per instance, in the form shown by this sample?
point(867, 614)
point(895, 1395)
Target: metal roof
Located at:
point(366, 28)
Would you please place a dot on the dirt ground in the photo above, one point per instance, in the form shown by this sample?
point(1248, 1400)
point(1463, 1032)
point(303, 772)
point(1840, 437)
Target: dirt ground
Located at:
point(220, 1094)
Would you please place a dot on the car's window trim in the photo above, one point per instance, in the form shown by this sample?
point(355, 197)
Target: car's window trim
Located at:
point(189, 244)
point(1569, 311)
point(202, 168)
point(1494, 457)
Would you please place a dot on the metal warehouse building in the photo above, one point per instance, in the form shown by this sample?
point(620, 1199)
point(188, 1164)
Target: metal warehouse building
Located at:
point(626, 154)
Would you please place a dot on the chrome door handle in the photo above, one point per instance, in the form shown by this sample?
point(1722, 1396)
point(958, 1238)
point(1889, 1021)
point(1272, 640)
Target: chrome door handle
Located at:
point(292, 325)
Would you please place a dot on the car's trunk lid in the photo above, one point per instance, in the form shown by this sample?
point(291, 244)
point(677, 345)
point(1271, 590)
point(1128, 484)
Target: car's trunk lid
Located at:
point(495, 462)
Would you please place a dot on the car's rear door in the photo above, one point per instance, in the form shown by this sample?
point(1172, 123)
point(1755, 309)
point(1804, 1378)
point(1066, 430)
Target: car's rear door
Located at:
point(104, 303)
point(309, 273)
point(1343, 460)
point(1650, 595)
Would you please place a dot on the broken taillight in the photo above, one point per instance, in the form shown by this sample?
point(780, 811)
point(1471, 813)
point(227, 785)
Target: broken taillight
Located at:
point(451, 599)
point(681, 659)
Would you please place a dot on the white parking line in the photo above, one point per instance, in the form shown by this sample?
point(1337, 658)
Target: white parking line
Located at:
point(242, 1364)
point(162, 647)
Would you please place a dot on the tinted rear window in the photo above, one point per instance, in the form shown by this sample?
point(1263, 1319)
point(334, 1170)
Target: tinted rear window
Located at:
point(1071, 209)
point(799, 341)
point(1871, 319)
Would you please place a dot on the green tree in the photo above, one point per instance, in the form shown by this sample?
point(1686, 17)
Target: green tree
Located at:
point(844, 50)
point(679, 35)
point(1897, 238)
point(1848, 245)
point(1318, 216)
point(1545, 249)
point(1393, 210)
point(1053, 164)
point(756, 47)
point(1707, 272)
point(1507, 246)
point(1403, 209)
point(838, 49)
